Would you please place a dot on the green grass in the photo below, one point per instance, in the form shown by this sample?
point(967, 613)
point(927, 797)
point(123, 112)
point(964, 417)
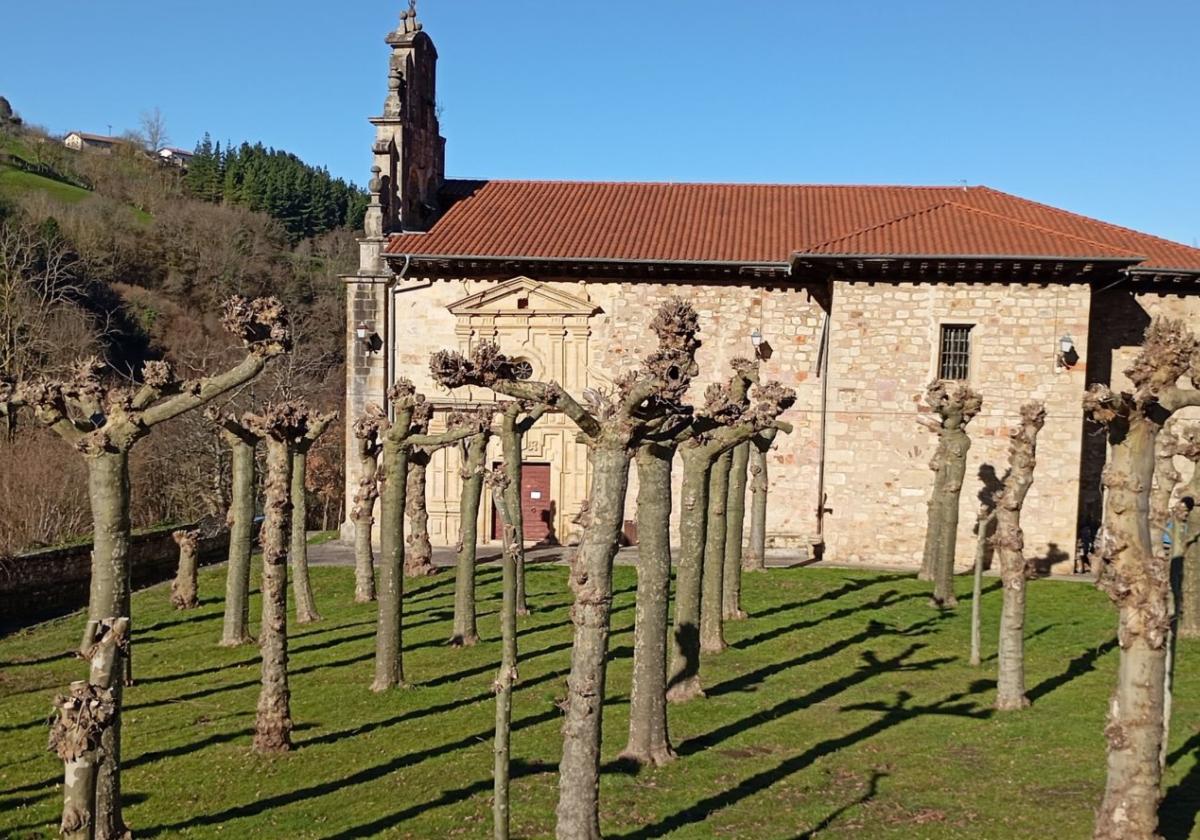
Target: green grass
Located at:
point(844, 709)
point(15, 182)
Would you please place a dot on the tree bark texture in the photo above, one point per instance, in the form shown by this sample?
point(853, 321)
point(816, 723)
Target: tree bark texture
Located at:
point(418, 550)
point(306, 605)
point(1135, 575)
point(954, 404)
point(465, 632)
point(756, 551)
point(591, 581)
point(389, 664)
point(236, 624)
point(518, 418)
point(366, 435)
point(735, 522)
point(649, 741)
point(1014, 570)
point(83, 726)
point(1187, 540)
point(712, 626)
point(273, 723)
point(507, 676)
point(185, 587)
point(683, 680)
point(985, 525)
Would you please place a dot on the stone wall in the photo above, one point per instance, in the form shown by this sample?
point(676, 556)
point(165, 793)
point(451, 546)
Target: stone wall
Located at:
point(54, 581)
point(883, 353)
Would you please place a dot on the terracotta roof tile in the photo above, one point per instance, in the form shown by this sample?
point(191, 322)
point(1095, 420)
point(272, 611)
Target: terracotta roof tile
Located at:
point(765, 223)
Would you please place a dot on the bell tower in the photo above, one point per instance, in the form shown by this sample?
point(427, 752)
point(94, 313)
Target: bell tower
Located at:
point(409, 151)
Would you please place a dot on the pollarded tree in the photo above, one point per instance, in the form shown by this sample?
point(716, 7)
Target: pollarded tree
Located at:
point(284, 427)
point(1135, 576)
point(104, 422)
point(1014, 569)
point(398, 440)
point(184, 589)
point(306, 608)
point(955, 404)
point(507, 676)
point(472, 470)
point(80, 722)
point(723, 424)
point(240, 519)
point(1186, 541)
point(612, 426)
point(367, 430)
point(714, 591)
point(418, 550)
point(755, 559)
point(516, 419)
point(735, 531)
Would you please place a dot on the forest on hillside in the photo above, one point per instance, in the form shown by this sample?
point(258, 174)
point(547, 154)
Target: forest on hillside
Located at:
point(123, 258)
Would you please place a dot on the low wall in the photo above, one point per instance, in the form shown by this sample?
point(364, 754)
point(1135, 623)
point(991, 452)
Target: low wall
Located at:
point(54, 581)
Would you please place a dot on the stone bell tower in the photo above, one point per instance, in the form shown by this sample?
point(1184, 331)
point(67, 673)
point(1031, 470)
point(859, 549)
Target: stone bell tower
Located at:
point(409, 151)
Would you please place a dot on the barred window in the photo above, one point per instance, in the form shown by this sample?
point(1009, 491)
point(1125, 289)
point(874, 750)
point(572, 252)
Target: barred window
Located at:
point(954, 357)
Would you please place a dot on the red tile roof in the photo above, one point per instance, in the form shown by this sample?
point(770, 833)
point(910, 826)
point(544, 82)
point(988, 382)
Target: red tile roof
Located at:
point(765, 224)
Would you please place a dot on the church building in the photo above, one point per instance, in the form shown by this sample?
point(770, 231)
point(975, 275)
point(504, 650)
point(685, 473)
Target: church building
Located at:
point(855, 296)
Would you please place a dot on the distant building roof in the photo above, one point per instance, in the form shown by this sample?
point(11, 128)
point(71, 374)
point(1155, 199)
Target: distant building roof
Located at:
point(171, 150)
point(96, 138)
point(768, 224)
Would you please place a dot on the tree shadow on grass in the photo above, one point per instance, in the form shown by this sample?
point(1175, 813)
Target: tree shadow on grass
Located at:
point(517, 769)
point(867, 796)
point(892, 715)
point(1077, 667)
point(888, 599)
point(849, 587)
point(41, 660)
point(872, 667)
point(367, 774)
point(873, 630)
point(1177, 814)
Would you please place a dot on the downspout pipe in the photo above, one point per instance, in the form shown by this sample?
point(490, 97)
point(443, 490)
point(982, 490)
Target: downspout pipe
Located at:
point(389, 329)
point(819, 542)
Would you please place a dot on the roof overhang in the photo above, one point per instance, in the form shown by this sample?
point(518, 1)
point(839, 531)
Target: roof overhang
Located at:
point(589, 267)
point(1013, 268)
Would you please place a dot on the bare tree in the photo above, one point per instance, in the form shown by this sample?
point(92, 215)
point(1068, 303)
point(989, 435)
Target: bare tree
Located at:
point(83, 725)
point(367, 431)
point(955, 404)
point(612, 425)
point(474, 454)
point(184, 589)
point(398, 440)
point(103, 423)
point(507, 676)
point(1187, 539)
point(242, 442)
point(306, 608)
point(1014, 569)
point(1134, 574)
point(756, 551)
point(418, 550)
point(515, 422)
point(152, 130)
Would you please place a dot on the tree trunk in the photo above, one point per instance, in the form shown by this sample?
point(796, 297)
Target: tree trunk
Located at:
point(1137, 581)
point(236, 627)
point(78, 733)
point(683, 682)
point(273, 724)
point(755, 559)
point(506, 677)
point(1189, 588)
point(306, 608)
point(983, 529)
point(1014, 572)
point(389, 662)
point(418, 551)
point(735, 521)
point(185, 586)
point(942, 538)
point(108, 491)
point(465, 632)
point(591, 581)
point(512, 445)
point(363, 516)
point(712, 627)
point(649, 742)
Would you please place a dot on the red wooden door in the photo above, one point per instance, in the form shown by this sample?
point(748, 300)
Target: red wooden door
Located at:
point(537, 510)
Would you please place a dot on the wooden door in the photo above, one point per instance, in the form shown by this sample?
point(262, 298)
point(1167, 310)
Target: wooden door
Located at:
point(537, 509)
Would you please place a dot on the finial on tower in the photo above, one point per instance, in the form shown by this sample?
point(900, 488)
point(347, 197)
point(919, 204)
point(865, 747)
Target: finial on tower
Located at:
point(408, 20)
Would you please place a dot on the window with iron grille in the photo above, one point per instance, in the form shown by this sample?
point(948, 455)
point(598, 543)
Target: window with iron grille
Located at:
point(954, 356)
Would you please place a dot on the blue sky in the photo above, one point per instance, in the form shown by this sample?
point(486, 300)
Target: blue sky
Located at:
point(1091, 105)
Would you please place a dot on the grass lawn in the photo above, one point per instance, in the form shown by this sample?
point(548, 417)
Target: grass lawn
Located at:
point(15, 181)
point(844, 708)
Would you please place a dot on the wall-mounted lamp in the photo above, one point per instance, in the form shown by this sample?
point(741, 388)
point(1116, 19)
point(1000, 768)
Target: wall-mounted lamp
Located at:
point(762, 347)
point(756, 338)
point(367, 338)
point(1067, 355)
